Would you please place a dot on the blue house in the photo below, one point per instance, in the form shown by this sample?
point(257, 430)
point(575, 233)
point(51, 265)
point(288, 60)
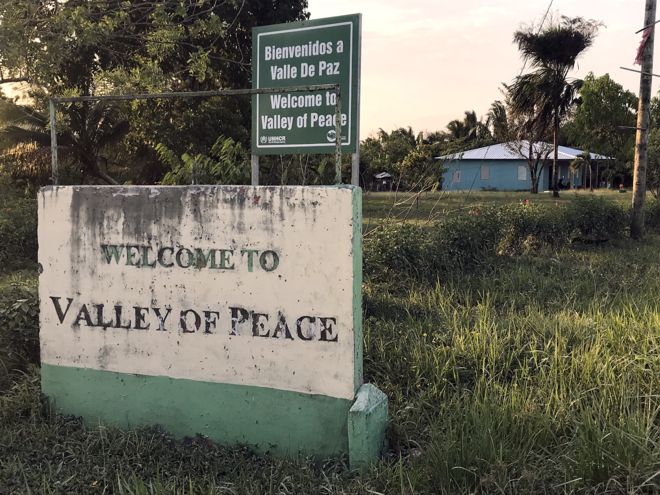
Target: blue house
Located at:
point(504, 167)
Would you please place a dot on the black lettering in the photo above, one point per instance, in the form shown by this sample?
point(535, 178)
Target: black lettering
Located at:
point(118, 310)
point(208, 322)
point(58, 309)
point(83, 314)
point(311, 326)
point(183, 322)
point(99, 317)
point(238, 316)
point(258, 326)
point(327, 329)
point(281, 327)
point(139, 318)
point(162, 319)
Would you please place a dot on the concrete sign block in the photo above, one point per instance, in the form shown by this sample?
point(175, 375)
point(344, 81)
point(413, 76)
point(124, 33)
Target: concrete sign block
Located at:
point(228, 311)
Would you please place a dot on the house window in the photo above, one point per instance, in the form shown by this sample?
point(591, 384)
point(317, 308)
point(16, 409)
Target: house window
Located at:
point(456, 177)
point(485, 172)
point(522, 172)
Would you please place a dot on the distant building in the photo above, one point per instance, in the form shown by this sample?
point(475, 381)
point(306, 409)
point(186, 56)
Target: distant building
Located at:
point(383, 181)
point(504, 167)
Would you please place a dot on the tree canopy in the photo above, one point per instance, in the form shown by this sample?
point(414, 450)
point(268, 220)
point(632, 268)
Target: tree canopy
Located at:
point(78, 47)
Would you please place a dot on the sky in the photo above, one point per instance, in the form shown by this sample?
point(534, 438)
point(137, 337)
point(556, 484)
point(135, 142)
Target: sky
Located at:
point(425, 62)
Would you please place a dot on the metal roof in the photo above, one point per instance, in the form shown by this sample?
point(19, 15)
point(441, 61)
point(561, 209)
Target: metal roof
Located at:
point(383, 175)
point(518, 151)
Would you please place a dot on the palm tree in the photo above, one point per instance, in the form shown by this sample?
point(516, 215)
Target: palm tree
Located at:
point(25, 137)
point(469, 129)
point(583, 162)
point(498, 120)
point(547, 90)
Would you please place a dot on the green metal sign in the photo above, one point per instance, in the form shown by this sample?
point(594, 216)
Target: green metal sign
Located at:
point(323, 51)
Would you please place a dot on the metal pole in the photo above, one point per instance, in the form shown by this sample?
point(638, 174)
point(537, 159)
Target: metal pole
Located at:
point(195, 94)
point(338, 136)
point(53, 143)
point(255, 170)
point(643, 119)
point(355, 166)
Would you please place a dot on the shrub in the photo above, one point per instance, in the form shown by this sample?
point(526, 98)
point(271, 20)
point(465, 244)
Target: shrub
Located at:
point(19, 329)
point(18, 232)
point(466, 241)
point(652, 214)
point(596, 219)
point(395, 249)
point(528, 228)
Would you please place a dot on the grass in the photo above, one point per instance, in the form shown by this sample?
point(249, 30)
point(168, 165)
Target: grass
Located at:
point(539, 374)
point(420, 207)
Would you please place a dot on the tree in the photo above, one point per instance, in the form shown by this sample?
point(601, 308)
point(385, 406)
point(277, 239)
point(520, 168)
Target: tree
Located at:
point(583, 161)
point(498, 121)
point(77, 47)
point(526, 133)
point(228, 163)
point(603, 107)
point(25, 138)
point(547, 91)
point(469, 129)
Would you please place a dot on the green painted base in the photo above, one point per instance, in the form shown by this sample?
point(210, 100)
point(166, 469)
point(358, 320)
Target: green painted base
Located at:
point(367, 423)
point(267, 420)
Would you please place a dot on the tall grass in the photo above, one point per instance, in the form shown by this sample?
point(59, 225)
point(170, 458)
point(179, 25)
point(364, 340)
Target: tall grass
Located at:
point(538, 372)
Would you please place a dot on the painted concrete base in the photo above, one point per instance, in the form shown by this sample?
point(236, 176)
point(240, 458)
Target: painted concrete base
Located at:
point(267, 420)
point(367, 422)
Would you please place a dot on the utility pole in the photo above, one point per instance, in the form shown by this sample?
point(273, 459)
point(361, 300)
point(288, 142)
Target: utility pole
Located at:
point(643, 121)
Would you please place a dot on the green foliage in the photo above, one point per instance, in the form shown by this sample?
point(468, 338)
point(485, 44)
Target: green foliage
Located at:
point(227, 163)
point(397, 249)
point(79, 48)
point(652, 214)
point(18, 230)
point(603, 107)
point(653, 165)
point(19, 327)
point(529, 228)
point(546, 94)
point(464, 242)
point(596, 219)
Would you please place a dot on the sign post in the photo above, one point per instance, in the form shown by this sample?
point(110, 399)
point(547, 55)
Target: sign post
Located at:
point(323, 51)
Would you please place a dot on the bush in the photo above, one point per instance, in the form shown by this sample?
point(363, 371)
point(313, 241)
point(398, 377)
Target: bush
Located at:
point(596, 219)
point(528, 228)
point(468, 241)
point(19, 329)
point(18, 232)
point(652, 214)
point(395, 249)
